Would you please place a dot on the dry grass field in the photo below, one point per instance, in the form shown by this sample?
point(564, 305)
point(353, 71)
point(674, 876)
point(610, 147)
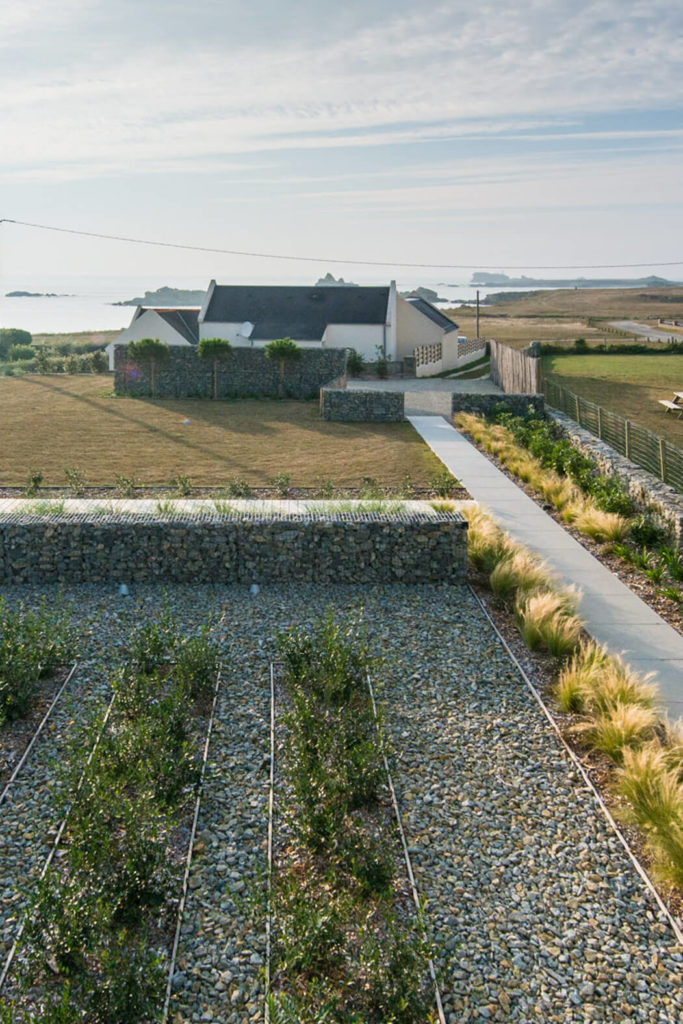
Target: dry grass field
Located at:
point(52, 422)
point(563, 314)
point(628, 385)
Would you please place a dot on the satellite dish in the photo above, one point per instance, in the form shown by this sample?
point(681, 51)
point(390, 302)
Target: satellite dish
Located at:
point(246, 329)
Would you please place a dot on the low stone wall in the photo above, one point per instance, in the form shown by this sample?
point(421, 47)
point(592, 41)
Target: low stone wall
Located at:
point(518, 405)
point(342, 406)
point(244, 373)
point(645, 489)
point(343, 548)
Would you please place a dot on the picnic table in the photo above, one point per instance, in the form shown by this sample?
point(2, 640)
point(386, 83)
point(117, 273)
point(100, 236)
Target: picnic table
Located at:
point(673, 406)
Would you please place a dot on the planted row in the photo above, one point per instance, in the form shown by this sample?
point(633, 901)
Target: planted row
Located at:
point(102, 917)
point(348, 946)
point(33, 644)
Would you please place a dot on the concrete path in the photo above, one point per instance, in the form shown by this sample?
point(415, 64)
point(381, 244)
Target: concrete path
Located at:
point(613, 614)
point(427, 396)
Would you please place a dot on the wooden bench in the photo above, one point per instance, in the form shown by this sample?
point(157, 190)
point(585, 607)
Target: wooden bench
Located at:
point(671, 406)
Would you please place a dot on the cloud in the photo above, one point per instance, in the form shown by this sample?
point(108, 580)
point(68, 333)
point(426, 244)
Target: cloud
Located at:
point(124, 99)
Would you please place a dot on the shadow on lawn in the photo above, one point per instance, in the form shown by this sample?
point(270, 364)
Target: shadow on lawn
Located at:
point(183, 442)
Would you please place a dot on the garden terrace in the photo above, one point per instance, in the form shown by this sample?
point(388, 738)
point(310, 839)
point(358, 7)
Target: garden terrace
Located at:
point(533, 905)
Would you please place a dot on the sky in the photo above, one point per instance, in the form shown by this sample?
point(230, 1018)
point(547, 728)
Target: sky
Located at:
point(489, 135)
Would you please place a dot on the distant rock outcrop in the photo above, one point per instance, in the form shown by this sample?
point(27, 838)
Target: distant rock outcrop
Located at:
point(428, 294)
point(167, 297)
point(329, 281)
point(33, 295)
point(502, 280)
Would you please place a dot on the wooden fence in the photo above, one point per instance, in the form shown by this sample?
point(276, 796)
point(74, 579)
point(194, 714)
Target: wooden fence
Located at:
point(647, 450)
point(516, 372)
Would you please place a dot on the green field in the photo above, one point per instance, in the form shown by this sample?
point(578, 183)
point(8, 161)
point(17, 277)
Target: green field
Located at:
point(628, 385)
point(52, 422)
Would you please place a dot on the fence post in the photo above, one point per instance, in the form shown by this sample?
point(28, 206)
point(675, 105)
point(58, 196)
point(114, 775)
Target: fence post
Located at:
point(578, 413)
point(662, 459)
point(627, 439)
point(600, 422)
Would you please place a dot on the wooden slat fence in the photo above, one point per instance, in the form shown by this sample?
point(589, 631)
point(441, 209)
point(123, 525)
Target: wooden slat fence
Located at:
point(516, 372)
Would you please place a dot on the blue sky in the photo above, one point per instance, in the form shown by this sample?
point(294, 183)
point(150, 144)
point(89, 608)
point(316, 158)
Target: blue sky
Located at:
point(489, 135)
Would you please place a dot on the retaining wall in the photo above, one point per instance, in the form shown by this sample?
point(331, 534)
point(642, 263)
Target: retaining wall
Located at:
point(343, 406)
point(645, 489)
point(346, 548)
point(244, 373)
point(518, 405)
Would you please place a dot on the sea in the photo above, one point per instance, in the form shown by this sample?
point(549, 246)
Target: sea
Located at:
point(87, 303)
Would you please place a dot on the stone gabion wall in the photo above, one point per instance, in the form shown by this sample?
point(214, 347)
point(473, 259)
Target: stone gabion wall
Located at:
point(244, 373)
point(645, 489)
point(347, 549)
point(344, 406)
point(518, 405)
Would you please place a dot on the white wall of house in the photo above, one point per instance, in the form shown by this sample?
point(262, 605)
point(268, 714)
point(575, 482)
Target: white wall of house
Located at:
point(363, 337)
point(148, 325)
point(414, 329)
point(230, 332)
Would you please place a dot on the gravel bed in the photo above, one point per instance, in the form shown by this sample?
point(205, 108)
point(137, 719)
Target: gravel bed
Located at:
point(29, 815)
point(537, 911)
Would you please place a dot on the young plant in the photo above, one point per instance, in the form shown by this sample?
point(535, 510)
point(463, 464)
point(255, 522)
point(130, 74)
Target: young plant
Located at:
point(546, 620)
point(33, 484)
point(75, 480)
point(281, 484)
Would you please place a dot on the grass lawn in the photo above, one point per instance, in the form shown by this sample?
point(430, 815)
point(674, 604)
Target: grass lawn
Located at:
point(48, 423)
point(629, 385)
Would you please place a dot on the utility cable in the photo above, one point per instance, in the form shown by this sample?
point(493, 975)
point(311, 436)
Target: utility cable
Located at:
point(334, 259)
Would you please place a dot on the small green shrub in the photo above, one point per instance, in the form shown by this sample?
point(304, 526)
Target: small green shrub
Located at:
point(238, 488)
point(182, 484)
point(196, 664)
point(33, 483)
point(75, 480)
point(444, 484)
point(355, 362)
point(281, 484)
point(646, 532)
point(126, 485)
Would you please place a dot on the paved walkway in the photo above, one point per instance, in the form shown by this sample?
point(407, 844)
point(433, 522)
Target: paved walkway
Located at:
point(613, 614)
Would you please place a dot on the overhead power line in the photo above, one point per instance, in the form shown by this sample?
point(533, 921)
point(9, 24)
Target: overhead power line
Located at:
point(335, 259)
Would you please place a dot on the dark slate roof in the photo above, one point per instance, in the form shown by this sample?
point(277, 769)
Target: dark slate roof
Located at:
point(184, 321)
point(303, 313)
point(434, 314)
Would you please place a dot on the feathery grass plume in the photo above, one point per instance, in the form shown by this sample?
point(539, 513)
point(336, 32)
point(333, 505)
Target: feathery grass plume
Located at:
point(486, 542)
point(655, 803)
point(601, 526)
point(616, 685)
point(652, 789)
point(519, 570)
point(580, 675)
point(572, 510)
point(546, 620)
point(617, 728)
point(559, 491)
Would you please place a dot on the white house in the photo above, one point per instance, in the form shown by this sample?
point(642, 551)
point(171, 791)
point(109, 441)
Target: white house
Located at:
point(366, 319)
point(172, 326)
point(363, 318)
